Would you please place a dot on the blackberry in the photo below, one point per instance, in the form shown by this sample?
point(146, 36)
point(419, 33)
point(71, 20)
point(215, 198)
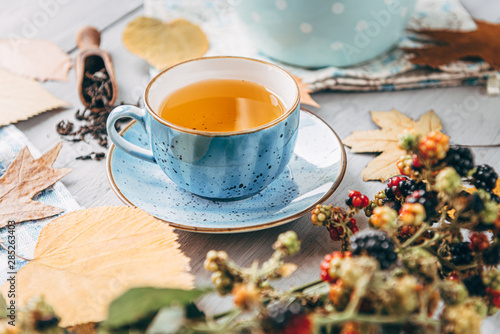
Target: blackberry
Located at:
point(461, 253)
point(396, 205)
point(393, 186)
point(44, 324)
point(475, 286)
point(491, 255)
point(376, 244)
point(485, 177)
point(409, 186)
point(495, 198)
point(461, 159)
point(427, 198)
point(476, 202)
point(279, 316)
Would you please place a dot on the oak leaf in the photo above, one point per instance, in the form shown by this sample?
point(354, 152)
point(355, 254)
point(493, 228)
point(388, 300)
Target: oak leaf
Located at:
point(85, 259)
point(385, 140)
point(35, 59)
point(24, 178)
point(305, 96)
point(22, 98)
point(164, 44)
point(455, 45)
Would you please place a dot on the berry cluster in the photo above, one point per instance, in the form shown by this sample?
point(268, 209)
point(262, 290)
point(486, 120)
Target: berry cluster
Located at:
point(376, 244)
point(331, 261)
point(461, 253)
point(281, 318)
point(485, 177)
point(434, 146)
point(428, 199)
point(340, 224)
point(357, 200)
point(461, 159)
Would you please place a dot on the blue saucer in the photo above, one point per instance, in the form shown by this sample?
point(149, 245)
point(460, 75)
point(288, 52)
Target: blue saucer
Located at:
point(314, 172)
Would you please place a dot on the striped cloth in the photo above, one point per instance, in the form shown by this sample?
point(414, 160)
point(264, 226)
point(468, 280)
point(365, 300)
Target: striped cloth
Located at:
point(11, 142)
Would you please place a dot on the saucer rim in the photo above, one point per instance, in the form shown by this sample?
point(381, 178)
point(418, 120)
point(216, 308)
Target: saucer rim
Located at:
point(219, 230)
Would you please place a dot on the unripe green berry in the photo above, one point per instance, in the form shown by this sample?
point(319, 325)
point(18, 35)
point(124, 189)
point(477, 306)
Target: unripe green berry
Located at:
point(222, 256)
point(448, 181)
point(407, 140)
point(453, 293)
point(212, 255)
point(490, 212)
point(289, 242)
point(491, 279)
point(210, 266)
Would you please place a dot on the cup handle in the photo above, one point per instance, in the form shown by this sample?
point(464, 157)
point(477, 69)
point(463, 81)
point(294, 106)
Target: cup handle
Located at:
point(138, 114)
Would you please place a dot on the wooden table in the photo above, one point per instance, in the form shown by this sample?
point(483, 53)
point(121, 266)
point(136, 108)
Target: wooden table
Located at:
point(469, 117)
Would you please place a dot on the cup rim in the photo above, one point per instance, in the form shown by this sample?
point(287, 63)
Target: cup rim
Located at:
point(215, 133)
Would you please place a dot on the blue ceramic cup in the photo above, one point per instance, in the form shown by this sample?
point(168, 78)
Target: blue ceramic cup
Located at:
point(215, 165)
point(317, 33)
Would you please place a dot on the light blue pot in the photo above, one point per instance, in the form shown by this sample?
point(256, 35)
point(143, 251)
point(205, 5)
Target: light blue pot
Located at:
point(318, 33)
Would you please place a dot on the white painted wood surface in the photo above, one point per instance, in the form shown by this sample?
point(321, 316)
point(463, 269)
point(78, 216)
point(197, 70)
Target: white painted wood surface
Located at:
point(469, 117)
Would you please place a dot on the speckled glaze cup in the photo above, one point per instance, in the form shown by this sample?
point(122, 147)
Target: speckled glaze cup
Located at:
point(215, 165)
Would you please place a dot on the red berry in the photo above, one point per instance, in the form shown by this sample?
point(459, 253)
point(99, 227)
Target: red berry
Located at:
point(299, 324)
point(357, 200)
point(336, 233)
point(454, 277)
point(394, 181)
point(325, 263)
point(415, 161)
point(365, 201)
point(354, 193)
point(479, 242)
point(496, 301)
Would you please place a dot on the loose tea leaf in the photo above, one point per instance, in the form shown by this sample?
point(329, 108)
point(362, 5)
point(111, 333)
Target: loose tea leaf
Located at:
point(22, 98)
point(85, 259)
point(305, 97)
point(97, 89)
point(35, 59)
point(94, 126)
point(385, 140)
point(164, 44)
point(92, 156)
point(454, 45)
point(24, 178)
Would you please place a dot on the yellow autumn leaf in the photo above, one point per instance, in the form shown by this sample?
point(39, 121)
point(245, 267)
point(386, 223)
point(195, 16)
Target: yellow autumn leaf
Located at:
point(164, 44)
point(385, 140)
point(22, 98)
point(85, 259)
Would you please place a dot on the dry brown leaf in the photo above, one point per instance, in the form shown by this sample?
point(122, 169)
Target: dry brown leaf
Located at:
point(88, 328)
point(85, 259)
point(25, 177)
point(164, 44)
point(455, 45)
point(22, 98)
point(385, 140)
point(35, 59)
point(305, 97)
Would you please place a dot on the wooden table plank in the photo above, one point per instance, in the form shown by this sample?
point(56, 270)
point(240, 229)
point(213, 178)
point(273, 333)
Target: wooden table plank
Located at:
point(59, 20)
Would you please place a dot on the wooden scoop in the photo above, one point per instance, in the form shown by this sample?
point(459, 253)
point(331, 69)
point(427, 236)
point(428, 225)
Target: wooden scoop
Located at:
point(95, 77)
